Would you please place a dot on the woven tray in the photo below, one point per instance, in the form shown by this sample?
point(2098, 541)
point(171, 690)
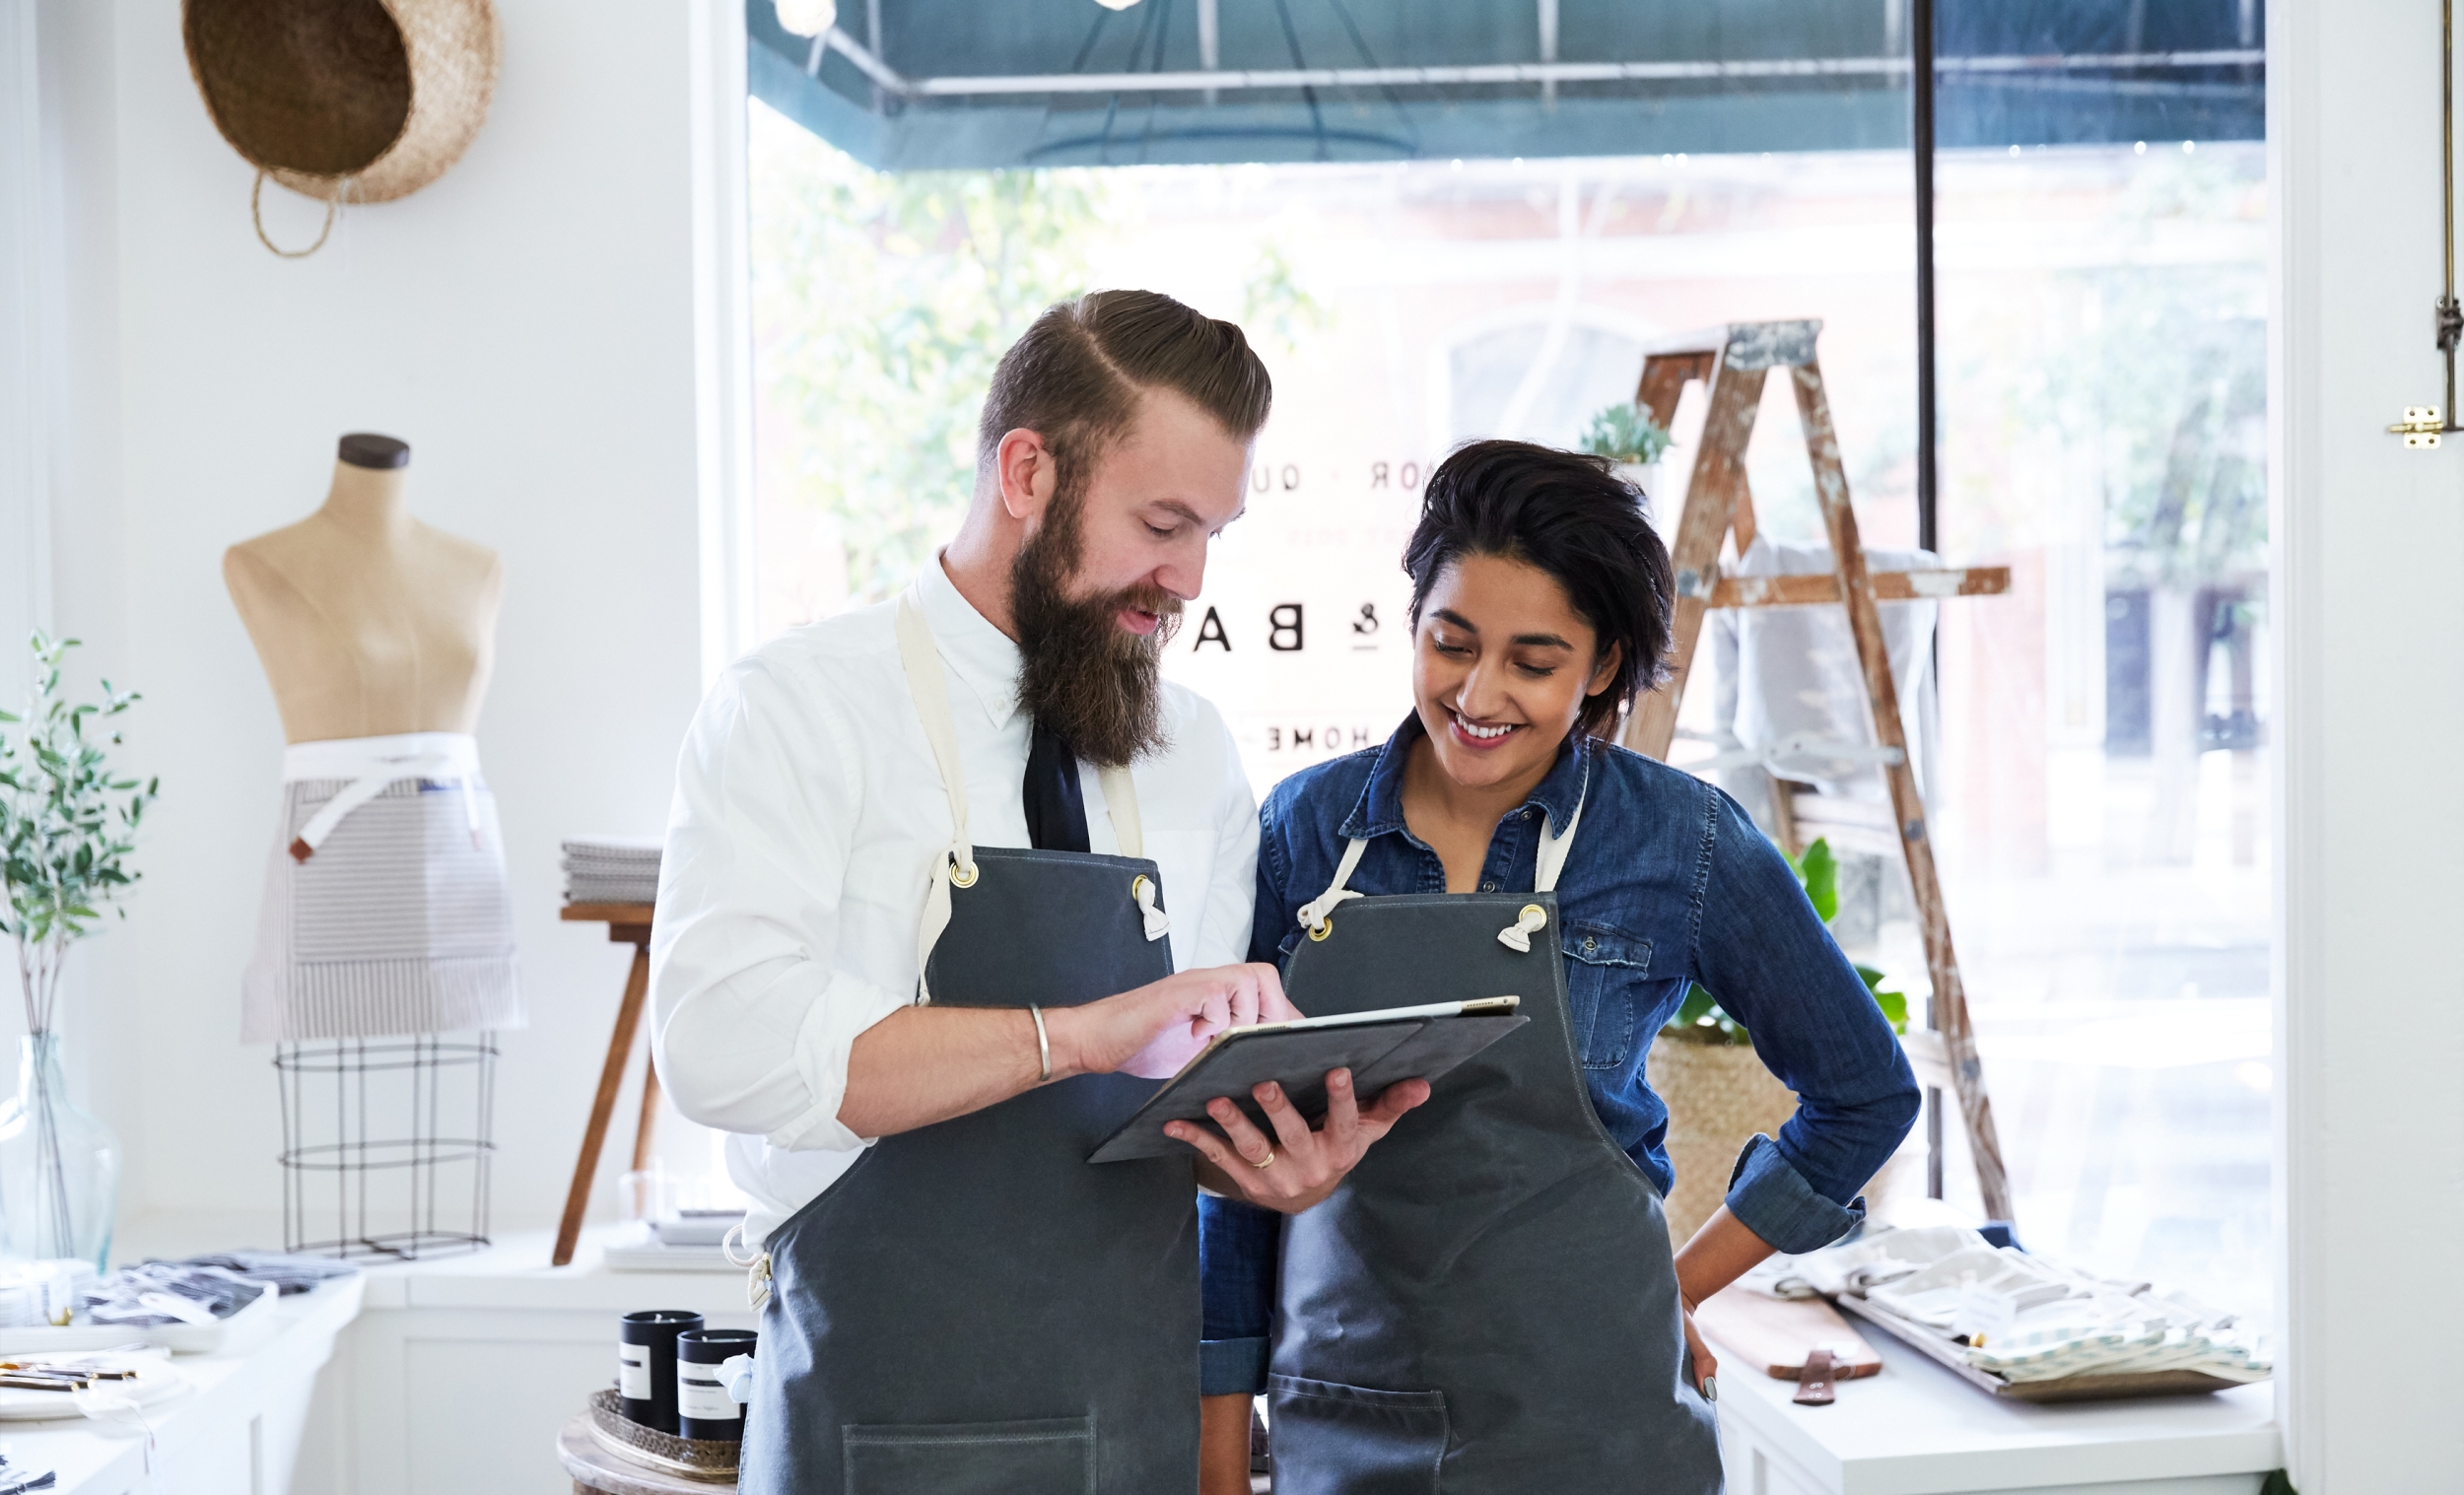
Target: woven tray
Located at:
point(710, 1459)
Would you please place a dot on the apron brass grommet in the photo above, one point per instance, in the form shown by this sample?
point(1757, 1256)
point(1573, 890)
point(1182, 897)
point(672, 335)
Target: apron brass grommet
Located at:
point(1528, 910)
point(1322, 928)
point(1134, 884)
point(963, 875)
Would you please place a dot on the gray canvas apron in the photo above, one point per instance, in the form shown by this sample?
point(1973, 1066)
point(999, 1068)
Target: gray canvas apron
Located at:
point(973, 1309)
point(1488, 1303)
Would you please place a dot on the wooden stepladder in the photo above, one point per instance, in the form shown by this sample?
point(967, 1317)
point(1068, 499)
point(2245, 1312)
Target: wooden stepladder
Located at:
point(1733, 361)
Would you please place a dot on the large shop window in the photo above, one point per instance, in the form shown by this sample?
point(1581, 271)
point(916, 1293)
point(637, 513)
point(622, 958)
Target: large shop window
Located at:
point(2099, 790)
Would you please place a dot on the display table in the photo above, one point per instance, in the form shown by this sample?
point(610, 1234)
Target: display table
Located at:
point(237, 1433)
point(1916, 1429)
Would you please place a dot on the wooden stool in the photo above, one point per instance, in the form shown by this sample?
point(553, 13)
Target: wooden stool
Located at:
point(597, 1470)
point(627, 924)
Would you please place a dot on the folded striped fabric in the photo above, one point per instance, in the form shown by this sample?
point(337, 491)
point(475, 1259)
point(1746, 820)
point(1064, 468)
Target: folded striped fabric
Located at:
point(611, 869)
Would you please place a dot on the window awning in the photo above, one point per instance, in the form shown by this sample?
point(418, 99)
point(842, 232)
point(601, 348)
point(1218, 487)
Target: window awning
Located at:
point(912, 85)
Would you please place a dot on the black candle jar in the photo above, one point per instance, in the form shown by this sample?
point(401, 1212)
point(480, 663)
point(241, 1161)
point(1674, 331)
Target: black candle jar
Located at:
point(645, 1364)
point(704, 1407)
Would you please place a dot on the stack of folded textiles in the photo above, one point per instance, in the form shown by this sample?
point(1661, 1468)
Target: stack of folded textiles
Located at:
point(2020, 1316)
point(611, 869)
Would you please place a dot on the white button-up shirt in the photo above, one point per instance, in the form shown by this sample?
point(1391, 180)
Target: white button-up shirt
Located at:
point(807, 818)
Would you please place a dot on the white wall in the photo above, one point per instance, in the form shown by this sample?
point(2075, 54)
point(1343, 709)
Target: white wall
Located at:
point(2368, 537)
point(28, 295)
point(527, 323)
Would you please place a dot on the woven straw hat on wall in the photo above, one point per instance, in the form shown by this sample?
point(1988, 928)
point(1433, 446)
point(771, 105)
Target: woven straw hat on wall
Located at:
point(345, 101)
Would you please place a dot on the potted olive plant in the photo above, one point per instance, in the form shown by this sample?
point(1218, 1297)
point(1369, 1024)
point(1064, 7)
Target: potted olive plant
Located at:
point(1627, 436)
point(1717, 1092)
point(67, 826)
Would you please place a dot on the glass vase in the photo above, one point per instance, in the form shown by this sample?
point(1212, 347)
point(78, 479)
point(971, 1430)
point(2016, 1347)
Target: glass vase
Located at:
point(59, 1166)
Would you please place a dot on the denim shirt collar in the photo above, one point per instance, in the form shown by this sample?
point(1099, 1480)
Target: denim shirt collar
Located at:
point(1380, 808)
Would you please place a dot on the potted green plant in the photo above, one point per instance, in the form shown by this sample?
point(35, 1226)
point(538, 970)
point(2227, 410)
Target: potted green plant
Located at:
point(1627, 436)
point(1719, 1095)
point(67, 826)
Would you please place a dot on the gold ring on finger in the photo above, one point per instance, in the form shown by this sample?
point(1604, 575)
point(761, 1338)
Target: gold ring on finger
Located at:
point(1266, 1162)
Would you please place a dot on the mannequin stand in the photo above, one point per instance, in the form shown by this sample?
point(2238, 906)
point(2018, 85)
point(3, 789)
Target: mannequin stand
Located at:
point(386, 1144)
point(627, 924)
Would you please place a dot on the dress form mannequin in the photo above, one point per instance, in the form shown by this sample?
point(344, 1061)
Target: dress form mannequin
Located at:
point(386, 914)
point(368, 623)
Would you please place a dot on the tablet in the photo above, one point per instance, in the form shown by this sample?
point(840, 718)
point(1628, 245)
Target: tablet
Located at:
point(1380, 1047)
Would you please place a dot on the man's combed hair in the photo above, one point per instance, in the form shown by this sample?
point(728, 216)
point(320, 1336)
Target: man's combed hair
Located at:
point(1074, 378)
point(1569, 516)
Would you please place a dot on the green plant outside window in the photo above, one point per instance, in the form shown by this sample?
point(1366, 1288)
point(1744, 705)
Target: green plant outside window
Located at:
point(1626, 434)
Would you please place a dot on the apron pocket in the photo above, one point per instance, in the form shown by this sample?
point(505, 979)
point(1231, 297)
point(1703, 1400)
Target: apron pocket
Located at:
point(1052, 1456)
point(1330, 1439)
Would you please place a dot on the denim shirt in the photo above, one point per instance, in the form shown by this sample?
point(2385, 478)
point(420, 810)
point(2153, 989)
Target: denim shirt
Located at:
point(1667, 882)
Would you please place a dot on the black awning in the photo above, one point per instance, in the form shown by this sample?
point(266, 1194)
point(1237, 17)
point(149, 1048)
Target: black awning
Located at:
point(933, 84)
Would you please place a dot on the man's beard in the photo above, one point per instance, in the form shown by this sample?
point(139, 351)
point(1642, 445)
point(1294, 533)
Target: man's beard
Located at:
point(1083, 676)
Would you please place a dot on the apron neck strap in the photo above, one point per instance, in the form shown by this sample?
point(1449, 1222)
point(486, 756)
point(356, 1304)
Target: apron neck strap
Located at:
point(1120, 801)
point(932, 693)
point(1554, 848)
point(1313, 914)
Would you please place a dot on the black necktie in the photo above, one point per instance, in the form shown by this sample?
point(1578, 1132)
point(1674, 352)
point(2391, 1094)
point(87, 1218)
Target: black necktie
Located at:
point(1056, 810)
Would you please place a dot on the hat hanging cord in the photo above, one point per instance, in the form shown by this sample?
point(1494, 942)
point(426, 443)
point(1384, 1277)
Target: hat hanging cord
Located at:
point(334, 205)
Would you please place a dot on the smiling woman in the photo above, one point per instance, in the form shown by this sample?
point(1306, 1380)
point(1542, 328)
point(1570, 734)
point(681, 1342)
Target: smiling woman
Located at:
point(1537, 610)
point(1539, 604)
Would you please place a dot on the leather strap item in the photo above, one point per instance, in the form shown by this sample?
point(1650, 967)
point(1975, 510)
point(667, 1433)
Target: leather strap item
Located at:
point(1813, 1383)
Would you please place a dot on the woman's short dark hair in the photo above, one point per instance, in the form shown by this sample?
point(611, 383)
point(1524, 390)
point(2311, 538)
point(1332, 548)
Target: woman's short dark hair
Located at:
point(1570, 516)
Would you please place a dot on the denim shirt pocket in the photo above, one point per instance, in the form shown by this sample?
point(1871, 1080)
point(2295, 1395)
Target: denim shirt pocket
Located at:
point(1606, 970)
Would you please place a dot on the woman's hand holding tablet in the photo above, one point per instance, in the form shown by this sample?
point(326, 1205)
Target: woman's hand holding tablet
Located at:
point(1303, 1164)
point(1287, 1096)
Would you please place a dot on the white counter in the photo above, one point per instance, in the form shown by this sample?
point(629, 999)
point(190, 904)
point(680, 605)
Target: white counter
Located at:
point(1916, 1429)
point(461, 1370)
point(237, 1433)
point(457, 1373)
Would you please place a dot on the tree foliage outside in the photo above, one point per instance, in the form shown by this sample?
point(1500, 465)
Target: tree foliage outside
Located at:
point(883, 301)
point(1276, 309)
point(2160, 371)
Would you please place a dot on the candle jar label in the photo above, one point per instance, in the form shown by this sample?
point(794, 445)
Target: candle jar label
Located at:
point(703, 1400)
point(633, 1371)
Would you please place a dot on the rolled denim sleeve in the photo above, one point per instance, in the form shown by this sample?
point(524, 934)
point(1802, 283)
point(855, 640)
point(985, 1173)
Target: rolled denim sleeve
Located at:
point(1774, 1201)
point(1762, 951)
point(1237, 1249)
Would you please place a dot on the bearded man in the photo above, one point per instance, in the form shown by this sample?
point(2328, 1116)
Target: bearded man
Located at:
point(900, 959)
